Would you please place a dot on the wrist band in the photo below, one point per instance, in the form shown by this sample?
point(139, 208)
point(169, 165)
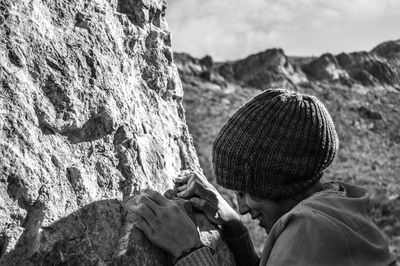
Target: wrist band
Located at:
point(188, 251)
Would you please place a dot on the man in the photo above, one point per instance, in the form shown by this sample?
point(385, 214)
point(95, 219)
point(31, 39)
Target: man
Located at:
point(272, 152)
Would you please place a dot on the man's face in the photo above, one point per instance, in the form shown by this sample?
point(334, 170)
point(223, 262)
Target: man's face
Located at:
point(266, 211)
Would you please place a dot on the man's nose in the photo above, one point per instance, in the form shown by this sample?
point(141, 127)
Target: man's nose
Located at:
point(242, 205)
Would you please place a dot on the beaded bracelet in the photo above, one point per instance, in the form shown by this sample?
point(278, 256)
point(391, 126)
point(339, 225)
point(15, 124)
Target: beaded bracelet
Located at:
point(187, 252)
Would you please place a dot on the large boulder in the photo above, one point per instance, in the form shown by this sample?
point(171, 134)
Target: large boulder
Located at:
point(263, 70)
point(369, 69)
point(325, 67)
point(90, 112)
point(389, 50)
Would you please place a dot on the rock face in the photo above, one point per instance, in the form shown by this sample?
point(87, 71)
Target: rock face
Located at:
point(90, 113)
point(325, 67)
point(369, 69)
point(389, 50)
point(361, 91)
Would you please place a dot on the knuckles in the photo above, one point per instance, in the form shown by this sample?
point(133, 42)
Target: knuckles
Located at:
point(174, 208)
point(142, 198)
point(139, 208)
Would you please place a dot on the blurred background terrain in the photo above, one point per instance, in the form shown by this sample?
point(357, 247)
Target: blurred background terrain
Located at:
point(361, 90)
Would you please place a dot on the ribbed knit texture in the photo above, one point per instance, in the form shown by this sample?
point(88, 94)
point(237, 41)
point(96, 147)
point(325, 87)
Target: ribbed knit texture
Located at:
point(276, 145)
point(201, 256)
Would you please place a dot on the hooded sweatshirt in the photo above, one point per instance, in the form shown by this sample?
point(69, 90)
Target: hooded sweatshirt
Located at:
point(331, 227)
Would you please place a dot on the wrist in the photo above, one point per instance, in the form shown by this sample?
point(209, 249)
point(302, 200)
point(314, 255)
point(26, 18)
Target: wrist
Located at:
point(189, 245)
point(234, 229)
point(229, 215)
point(232, 219)
point(186, 252)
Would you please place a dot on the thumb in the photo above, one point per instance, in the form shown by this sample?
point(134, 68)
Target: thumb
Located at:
point(204, 206)
point(198, 203)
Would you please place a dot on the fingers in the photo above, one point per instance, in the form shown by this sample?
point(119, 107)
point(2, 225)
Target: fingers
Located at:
point(195, 189)
point(205, 206)
point(182, 179)
point(131, 203)
point(153, 201)
point(156, 197)
point(149, 203)
point(183, 187)
point(190, 179)
point(187, 177)
point(144, 226)
point(187, 191)
point(145, 212)
point(198, 203)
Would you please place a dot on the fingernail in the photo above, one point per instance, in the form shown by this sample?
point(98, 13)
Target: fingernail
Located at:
point(179, 194)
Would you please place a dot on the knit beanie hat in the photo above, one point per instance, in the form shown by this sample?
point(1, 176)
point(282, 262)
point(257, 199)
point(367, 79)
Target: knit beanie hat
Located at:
point(276, 145)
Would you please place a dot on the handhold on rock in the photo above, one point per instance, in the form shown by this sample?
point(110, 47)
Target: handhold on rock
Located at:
point(82, 21)
point(17, 57)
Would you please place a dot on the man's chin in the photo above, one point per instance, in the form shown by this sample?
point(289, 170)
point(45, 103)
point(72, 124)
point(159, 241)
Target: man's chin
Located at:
point(265, 227)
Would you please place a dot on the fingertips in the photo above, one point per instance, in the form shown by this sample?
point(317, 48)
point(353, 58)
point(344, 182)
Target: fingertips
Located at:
point(187, 192)
point(183, 194)
point(145, 212)
point(194, 201)
point(132, 217)
point(183, 187)
point(143, 226)
point(146, 191)
point(157, 197)
point(182, 179)
point(197, 203)
point(144, 199)
point(185, 173)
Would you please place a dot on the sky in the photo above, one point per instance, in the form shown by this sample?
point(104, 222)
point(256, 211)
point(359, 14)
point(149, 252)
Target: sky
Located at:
point(234, 29)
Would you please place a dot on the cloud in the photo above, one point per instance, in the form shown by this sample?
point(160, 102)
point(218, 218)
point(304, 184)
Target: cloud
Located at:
point(231, 29)
point(364, 8)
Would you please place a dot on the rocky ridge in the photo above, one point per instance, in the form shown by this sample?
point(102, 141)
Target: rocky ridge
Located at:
point(265, 69)
point(361, 90)
point(90, 113)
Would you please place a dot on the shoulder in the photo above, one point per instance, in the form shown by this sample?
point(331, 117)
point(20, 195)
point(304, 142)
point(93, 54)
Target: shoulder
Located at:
point(326, 230)
point(330, 217)
point(308, 236)
point(338, 205)
point(303, 220)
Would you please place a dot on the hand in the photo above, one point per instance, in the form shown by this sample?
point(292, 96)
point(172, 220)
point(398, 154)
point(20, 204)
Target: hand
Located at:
point(165, 223)
point(205, 197)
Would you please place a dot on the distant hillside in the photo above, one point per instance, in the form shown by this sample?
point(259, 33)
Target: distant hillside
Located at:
point(361, 90)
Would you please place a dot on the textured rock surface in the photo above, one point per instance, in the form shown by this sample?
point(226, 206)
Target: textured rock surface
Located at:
point(325, 67)
point(365, 108)
point(389, 50)
point(90, 111)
